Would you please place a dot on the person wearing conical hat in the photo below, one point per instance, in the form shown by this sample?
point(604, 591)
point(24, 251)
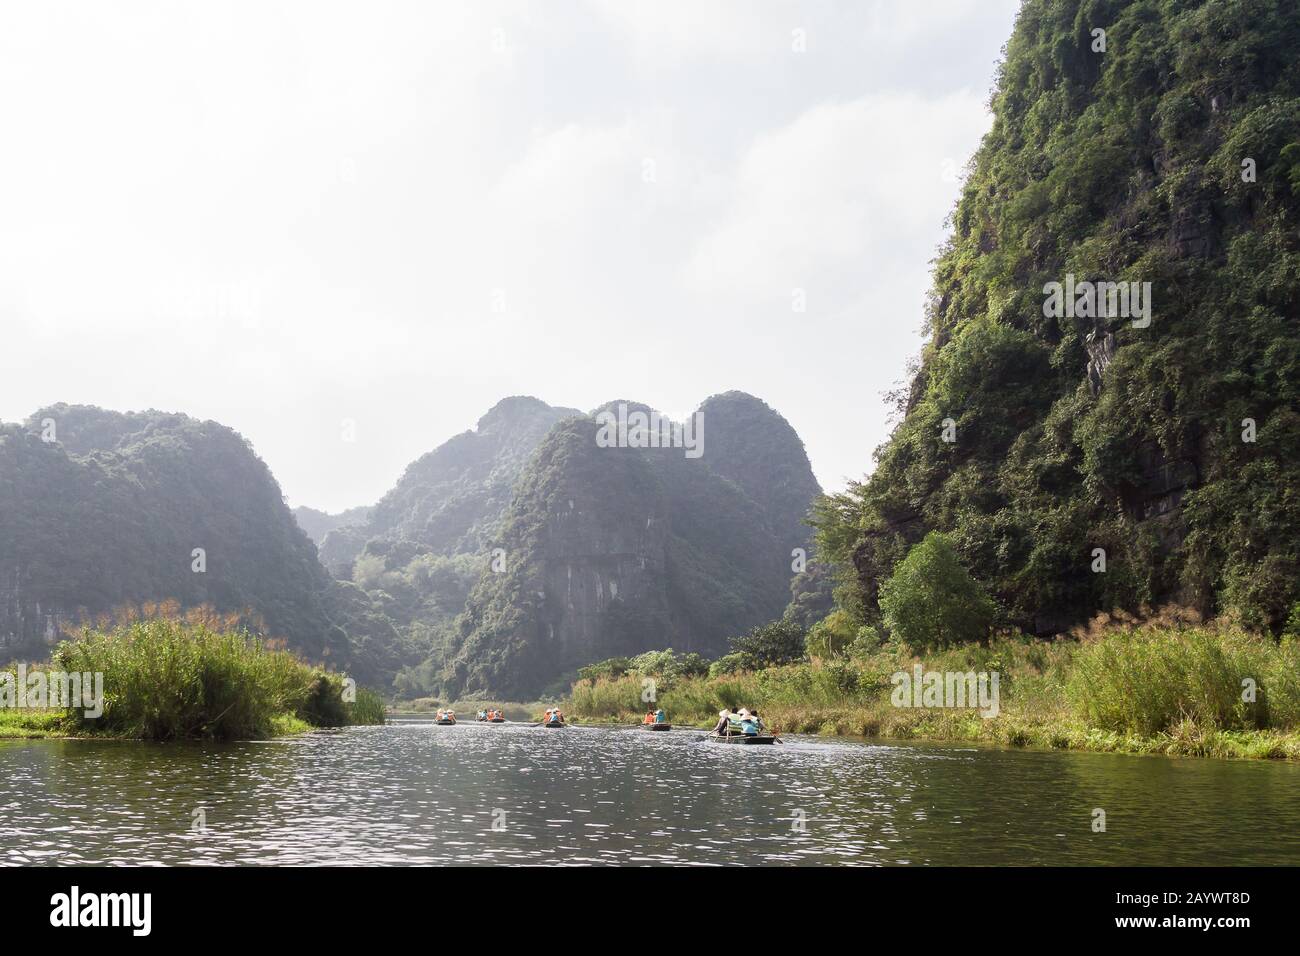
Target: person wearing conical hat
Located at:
point(724, 723)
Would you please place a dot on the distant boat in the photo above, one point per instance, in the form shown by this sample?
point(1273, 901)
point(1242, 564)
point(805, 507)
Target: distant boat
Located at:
point(741, 739)
point(553, 723)
point(496, 720)
point(658, 726)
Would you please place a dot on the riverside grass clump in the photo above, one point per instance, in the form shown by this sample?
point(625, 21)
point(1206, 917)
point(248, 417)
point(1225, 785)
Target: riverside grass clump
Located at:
point(198, 677)
point(1128, 687)
point(1149, 680)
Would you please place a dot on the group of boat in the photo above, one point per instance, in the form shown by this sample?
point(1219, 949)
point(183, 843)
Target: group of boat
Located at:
point(738, 727)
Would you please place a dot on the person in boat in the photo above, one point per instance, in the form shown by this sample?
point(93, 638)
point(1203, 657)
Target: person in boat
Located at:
point(723, 728)
point(758, 720)
point(659, 717)
point(649, 718)
point(748, 724)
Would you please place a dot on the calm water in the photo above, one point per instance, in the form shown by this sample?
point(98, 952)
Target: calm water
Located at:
point(412, 792)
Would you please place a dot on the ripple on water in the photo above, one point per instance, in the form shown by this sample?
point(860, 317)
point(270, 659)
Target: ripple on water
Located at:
point(415, 793)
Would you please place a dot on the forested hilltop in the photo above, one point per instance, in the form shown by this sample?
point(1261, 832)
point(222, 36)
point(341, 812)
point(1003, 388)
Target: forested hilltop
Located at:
point(501, 562)
point(1080, 461)
point(100, 510)
point(516, 553)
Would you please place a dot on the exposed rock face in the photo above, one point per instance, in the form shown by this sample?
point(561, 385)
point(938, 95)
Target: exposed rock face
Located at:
point(1100, 343)
point(612, 551)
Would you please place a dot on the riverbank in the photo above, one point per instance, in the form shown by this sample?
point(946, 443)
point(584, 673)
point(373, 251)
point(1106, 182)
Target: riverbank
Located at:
point(1174, 690)
point(176, 679)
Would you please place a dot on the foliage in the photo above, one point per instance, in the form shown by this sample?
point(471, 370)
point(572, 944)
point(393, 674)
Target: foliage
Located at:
point(111, 512)
point(1155, 687)
point(651, 546)
point(1149, 680)
point(196, 677)
point(832, 636)
point(767, 645)
point(1077, 434)
point(931, 601)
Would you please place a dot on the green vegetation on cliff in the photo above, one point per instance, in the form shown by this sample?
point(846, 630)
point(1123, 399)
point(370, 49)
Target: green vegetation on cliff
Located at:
point(612, 551)
point(1085, 464)
point(101, 509)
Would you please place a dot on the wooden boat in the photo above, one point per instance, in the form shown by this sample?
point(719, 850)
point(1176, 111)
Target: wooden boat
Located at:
point(553, 723)
point(445, 721)
point(742, 739)
point(496, 720)
point(658, 726)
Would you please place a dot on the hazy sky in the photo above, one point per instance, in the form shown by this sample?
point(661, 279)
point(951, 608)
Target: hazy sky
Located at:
point(287, 216)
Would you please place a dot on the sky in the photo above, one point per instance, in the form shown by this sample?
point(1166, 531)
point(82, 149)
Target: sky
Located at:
point(346, 230)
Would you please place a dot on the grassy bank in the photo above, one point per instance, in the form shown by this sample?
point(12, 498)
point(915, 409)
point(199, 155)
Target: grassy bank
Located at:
point(183, 679)
point(467, 708)
point(1168, 689)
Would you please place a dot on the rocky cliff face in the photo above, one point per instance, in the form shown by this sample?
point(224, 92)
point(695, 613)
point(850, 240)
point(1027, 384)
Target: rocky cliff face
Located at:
point(607, 551)
point(1167, 158)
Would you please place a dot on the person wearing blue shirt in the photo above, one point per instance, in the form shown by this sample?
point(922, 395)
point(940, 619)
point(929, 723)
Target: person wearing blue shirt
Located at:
point(660, 716)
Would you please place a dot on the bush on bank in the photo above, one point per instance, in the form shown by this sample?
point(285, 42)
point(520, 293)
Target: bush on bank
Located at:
point(178, 679)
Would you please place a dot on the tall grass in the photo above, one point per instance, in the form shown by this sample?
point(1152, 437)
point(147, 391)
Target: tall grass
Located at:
point(368, 708)
point(1163, 687)
point(1149, 680)
point(172, 679)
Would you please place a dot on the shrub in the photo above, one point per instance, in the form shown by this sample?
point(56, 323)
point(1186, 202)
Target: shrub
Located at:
point(770, 645)
point(931, 601)
point(727, 664)
point(169, 679)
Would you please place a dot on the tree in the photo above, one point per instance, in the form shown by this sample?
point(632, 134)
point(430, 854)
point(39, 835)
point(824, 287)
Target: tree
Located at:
point(769, 645)
point(831, 636)
point(931, 601)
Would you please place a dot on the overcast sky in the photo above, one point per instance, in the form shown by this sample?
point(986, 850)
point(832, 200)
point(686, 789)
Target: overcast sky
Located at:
point(287, 216)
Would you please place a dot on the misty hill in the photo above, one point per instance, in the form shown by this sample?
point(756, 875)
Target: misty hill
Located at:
point(447, 500)
point(616, 550)
point(318, 524)
point(100, 509)
point(1135, 142)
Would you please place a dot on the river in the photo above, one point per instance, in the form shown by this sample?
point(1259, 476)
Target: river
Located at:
point(414, 793)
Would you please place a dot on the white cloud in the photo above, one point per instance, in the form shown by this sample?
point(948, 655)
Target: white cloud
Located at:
point(281, 216)
point(847, 184)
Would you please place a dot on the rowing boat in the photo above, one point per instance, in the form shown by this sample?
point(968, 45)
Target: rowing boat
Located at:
point(496, 720)
point(445, 722)
point(658, 726)
point(742, 739)
point(553, 723)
